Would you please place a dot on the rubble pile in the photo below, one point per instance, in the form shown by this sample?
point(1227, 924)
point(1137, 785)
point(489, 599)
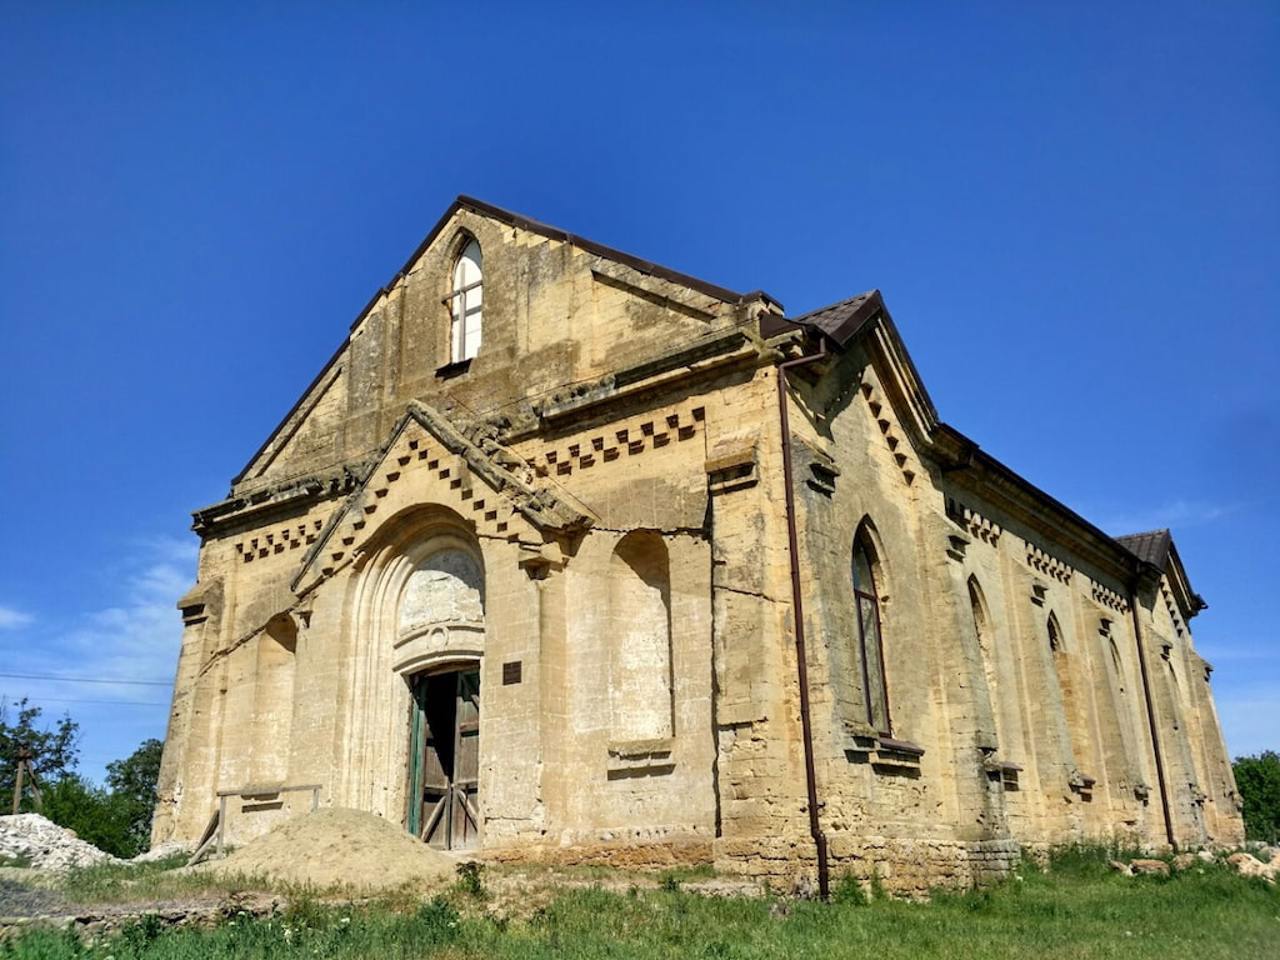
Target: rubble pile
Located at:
point(33, 839)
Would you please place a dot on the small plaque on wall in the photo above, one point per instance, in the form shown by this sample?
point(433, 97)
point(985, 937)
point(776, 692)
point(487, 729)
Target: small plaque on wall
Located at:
point(511, 672)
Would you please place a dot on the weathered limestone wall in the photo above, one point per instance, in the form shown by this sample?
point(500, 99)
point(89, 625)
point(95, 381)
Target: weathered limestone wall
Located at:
point(979, 691)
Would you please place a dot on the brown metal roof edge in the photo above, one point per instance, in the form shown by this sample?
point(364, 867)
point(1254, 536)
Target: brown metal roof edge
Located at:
point(860, 319)
point(925, 396)
point(773, 324)
point(1191, 602)
point(974, 453)
point(611, 253)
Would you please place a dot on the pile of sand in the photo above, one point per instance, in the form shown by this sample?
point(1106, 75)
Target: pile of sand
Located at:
point(335, 847)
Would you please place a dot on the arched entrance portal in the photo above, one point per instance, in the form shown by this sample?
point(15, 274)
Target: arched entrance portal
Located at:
point(438, 645)
point(411, 740)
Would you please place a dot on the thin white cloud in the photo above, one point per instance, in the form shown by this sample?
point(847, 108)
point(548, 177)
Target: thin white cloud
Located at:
point(139, 637)
point(12, 618)
point(136, 638)
point(1175, 515)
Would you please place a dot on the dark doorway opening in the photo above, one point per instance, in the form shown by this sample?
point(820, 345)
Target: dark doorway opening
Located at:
point(444, 759)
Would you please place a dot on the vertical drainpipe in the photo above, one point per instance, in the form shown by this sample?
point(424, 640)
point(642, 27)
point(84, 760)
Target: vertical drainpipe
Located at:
point(1151, 717)
point(802, 666)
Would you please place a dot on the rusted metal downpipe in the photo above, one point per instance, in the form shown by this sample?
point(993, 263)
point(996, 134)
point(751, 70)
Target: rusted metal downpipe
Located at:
point(1151, 717)
point(797, 606)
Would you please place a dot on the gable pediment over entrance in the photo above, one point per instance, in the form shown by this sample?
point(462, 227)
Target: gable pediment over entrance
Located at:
point(429, 461)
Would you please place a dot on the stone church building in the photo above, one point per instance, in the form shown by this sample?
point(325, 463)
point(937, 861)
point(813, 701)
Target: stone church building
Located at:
point(565, 555)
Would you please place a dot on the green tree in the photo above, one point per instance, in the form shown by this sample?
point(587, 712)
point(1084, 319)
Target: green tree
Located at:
point(1258, 779)
point(132, 782)
point(54, 750)
point(98, 816)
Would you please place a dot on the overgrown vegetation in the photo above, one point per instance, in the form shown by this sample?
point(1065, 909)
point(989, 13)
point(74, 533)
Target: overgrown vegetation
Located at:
point(1258, 778)
point(1076, 909)
point(115, 817)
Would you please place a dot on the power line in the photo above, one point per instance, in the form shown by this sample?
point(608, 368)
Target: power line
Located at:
point(41, 676)
point(121, 703)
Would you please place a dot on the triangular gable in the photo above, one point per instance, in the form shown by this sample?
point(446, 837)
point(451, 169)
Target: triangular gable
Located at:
point(1156, 547)
point(633, 270)
point(866, 318)
point(429, 460)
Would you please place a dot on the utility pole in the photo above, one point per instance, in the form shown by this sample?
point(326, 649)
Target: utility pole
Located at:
point(24, 768)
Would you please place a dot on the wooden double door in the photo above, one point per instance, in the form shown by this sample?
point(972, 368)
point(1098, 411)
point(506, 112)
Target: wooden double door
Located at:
point(444, 759)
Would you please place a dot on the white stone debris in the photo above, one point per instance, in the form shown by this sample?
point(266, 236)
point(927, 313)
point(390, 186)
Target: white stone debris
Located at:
point(45, 845)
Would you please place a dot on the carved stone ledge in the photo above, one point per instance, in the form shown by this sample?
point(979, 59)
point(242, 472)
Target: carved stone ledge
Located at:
point(884, 754)
point(630, 758)
point(1081, 784)
point(1003, 772)
point(733, 469)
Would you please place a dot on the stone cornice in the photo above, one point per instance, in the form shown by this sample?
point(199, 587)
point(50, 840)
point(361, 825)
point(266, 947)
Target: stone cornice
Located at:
point(266, 503)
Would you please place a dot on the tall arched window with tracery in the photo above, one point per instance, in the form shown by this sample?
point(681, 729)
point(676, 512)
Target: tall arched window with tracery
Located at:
point(466, 301)
point(870, 641)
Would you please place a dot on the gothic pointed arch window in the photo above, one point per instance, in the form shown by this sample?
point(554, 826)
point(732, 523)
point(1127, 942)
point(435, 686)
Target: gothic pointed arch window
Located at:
point(466, 303)
point(1072, 704)
point(867, 573)
point(1055, 634)
point(982, 627)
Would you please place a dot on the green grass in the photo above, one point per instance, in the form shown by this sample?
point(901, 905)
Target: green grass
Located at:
point(1078, 909)
point(125, 882)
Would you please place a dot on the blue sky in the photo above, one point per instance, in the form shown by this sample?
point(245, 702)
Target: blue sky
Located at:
point(1073, 212)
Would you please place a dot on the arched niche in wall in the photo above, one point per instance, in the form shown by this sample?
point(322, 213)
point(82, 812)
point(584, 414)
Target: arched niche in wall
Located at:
point(273, 700)
point(639, 624)
point(439, 602)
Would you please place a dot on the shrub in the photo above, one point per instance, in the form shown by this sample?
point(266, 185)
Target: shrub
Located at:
point(849, 891)
point(1258, 779)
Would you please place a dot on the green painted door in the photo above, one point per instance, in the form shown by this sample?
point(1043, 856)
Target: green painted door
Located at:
point(445, 759)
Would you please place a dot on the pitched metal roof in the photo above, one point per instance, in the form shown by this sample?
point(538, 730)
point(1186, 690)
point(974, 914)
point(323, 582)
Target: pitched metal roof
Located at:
point(840, 321)
point(1150, 547)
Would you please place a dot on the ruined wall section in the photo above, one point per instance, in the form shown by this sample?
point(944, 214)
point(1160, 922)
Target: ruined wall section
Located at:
point(1204, 801)
point(242, 585)
point(910, 803)
point(628, 739)
point(1068, 697)
point(1032, 731)
point(760, 759)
